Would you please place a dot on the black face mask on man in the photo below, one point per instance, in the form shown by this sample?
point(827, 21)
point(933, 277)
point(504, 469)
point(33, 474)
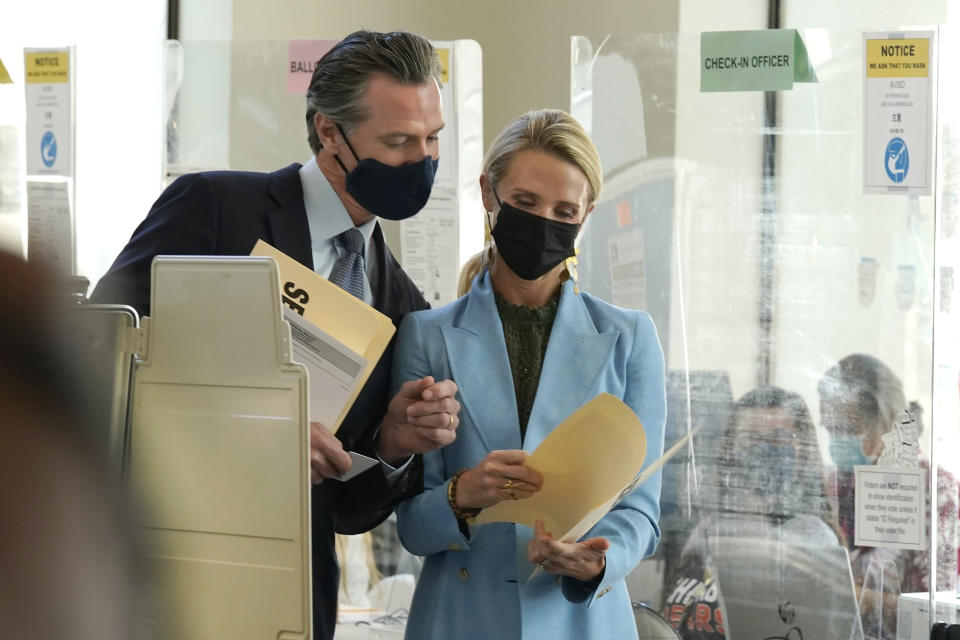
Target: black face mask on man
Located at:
point(391, 193)
point(532, 245)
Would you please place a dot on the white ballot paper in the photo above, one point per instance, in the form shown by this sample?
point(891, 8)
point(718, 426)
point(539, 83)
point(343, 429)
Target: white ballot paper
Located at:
point(334, 374)
point(336, 336)
point(334, 368)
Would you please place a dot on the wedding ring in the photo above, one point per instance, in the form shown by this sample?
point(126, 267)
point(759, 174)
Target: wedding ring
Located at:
point(543, 564)
point(509, 484)
point(450, 426)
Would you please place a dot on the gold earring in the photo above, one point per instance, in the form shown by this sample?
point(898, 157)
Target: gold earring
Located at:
point(570, 271)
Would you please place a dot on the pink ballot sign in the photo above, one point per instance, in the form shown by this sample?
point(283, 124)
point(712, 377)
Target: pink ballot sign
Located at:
point(302, 61)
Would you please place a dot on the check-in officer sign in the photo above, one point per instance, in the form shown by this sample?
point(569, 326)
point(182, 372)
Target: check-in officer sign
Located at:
point(765, 60)
point(897, 119)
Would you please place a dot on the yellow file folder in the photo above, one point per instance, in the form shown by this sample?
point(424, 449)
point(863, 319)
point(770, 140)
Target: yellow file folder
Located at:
point(588, 463)
point(347, 319)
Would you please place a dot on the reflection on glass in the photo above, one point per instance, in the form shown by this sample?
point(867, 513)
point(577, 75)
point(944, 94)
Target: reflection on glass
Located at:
point(740, 224)
point(764, 501)
point(861, 404)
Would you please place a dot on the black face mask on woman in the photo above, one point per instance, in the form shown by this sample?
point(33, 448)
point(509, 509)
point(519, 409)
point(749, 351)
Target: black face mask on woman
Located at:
point(532, 245)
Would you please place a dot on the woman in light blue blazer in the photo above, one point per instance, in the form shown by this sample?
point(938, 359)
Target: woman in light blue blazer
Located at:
point(526, 350)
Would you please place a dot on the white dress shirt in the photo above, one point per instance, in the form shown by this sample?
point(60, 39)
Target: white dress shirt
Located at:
point(328, 218)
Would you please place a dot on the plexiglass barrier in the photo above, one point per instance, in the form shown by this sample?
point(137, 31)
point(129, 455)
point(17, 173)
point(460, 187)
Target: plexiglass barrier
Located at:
point(808, 331)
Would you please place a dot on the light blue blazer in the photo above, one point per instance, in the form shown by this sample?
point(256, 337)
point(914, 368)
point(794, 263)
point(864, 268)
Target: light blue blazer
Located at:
point(474, 587)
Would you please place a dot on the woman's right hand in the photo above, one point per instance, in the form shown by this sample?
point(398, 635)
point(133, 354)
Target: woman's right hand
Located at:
point(499, 476)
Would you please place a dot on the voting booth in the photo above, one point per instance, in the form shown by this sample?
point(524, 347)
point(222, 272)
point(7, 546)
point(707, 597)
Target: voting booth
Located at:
point(205, 418)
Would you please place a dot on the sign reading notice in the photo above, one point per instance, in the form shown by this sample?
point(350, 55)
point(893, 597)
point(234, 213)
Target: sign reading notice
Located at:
point(48, 88)
point(897, 120)
point(890, 507)
point(767, 60)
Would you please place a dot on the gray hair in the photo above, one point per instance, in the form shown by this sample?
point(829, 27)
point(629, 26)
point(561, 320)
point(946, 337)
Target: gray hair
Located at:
point(340, 78)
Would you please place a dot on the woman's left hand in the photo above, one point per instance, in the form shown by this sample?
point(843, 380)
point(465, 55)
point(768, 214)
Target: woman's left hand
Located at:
point(581, 560)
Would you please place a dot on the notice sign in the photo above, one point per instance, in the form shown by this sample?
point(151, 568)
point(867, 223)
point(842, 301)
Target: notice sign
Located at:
point(898, 119)
point(768, 60)
point(890, 507)
point(48, 86)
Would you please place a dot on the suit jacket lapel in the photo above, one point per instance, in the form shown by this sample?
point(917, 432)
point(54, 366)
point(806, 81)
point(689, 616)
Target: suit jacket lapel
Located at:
point(382, 294)
point(288, 223)
point(479, 363)
point(576, 356)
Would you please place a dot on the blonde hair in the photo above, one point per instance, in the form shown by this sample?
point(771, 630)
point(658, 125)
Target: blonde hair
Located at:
point(551, 131)
point(468, 272)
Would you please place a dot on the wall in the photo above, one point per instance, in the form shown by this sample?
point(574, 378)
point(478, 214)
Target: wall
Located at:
point(526, 55)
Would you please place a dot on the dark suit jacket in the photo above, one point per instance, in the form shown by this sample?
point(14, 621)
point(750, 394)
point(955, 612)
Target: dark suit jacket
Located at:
point(224, 213)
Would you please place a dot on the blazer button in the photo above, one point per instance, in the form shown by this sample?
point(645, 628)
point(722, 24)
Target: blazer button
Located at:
point(464, 575)
point(604, 592)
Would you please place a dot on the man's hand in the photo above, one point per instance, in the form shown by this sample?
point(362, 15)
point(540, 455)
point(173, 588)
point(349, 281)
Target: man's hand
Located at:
point(420, 418)
point(327, 457)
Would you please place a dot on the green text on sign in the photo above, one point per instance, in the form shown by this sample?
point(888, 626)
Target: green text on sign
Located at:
point(768, 60)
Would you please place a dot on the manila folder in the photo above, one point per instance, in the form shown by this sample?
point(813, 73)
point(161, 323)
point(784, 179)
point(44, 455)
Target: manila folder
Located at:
point(348, 320)
point(587, 462)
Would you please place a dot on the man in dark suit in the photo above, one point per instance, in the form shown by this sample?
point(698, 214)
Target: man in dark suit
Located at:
point(373, 118)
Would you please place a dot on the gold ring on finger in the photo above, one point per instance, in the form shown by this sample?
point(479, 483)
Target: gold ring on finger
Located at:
point(508, 485)
point(450, 426)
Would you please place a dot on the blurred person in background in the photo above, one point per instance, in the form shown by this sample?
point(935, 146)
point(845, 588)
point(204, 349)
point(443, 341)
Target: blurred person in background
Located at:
point(67, 564)
point(767, 483)
point(861, 401)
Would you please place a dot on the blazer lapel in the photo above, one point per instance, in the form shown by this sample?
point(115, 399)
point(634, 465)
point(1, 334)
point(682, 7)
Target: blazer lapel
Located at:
point(383, 293)
point(288, 223)
point(576, 356)
point(477, 353)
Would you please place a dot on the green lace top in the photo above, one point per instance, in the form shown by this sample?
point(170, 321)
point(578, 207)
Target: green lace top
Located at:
point(526, 330)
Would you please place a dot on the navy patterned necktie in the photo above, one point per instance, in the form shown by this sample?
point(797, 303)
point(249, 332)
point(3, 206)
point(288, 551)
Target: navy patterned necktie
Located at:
point(348, 272)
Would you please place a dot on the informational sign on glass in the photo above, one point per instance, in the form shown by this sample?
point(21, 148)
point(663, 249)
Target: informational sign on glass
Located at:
point(48, 87)
point(897, 113)
point(449, 229)
point(50, 225)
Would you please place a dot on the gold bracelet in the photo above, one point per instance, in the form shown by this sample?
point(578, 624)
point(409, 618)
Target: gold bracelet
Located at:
point(460, 514)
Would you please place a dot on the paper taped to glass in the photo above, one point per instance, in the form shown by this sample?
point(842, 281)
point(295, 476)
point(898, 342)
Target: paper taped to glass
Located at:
point(337, 336)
